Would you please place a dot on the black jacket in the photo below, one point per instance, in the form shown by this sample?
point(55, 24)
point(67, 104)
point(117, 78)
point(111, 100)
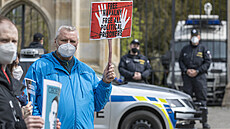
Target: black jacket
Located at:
point(194, 57)
point(129, 64)
point(10, 110)
point(35, 45)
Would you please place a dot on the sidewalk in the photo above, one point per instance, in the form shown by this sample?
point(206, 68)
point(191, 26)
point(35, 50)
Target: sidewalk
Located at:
point(218, 118)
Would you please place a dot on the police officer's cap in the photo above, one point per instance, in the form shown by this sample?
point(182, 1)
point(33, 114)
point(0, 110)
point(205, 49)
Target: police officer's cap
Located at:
point(135, 41)
point(194, 32)
point(38, 37)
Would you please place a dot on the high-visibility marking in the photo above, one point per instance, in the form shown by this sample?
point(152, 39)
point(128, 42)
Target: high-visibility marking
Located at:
point(152, 99)
point(166, 115)
point(158, 105)
point(162, 104)
point(141, 98)
point(162, 100)
point(119, 98)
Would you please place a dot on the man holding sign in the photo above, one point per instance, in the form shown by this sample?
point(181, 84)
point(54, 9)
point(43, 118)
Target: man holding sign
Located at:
point(82, 93)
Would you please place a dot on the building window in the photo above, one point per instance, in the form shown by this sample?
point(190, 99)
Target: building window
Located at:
point(28, 21)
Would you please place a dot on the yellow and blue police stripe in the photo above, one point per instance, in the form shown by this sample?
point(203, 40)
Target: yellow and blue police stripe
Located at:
point(159, 102)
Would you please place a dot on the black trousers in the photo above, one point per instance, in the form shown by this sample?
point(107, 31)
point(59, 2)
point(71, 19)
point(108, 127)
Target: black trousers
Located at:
point(197, 85)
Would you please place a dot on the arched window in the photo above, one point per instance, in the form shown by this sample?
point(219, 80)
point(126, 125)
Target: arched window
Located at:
point(28, 21)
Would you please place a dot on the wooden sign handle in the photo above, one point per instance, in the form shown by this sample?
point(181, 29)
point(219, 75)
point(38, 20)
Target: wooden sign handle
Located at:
point(110, 51)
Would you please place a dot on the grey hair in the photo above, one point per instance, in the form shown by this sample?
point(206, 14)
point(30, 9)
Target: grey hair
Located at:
point(69, 28)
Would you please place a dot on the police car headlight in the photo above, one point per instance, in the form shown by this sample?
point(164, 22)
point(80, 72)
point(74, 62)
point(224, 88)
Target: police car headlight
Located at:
point(174, 103)
point(189, 103)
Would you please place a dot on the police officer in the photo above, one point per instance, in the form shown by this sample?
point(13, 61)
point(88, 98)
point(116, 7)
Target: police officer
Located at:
point(38, 42)
point(134, 66)
point(194, 62)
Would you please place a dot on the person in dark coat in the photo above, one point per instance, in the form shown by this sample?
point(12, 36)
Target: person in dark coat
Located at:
point(16, 72)
point(133, 66)
point(194, 62)
point(11, 116)
point(37, 42)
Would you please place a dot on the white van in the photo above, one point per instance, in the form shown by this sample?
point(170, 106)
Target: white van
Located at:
point(214, 36)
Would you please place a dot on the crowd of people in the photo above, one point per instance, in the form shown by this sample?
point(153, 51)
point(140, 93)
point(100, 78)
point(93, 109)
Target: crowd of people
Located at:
point(82, 93)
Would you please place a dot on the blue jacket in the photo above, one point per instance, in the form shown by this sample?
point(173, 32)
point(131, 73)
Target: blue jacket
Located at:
point(81, 94)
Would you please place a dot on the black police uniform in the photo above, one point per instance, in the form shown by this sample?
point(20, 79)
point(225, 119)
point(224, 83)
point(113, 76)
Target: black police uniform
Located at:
point(198, 58)
point(130, 64)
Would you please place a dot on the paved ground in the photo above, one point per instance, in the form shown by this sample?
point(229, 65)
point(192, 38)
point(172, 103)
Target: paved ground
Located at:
point(218, 118)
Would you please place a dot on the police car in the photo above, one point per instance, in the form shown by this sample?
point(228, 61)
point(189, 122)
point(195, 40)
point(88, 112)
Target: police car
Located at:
point(143, 106)
point(27, 57)
point(137, 105)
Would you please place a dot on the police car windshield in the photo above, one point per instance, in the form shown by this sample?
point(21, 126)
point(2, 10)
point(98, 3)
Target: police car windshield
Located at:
point(218, 49)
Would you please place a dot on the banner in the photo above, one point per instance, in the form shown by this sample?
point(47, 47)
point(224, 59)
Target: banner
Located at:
point(51, 95)
point(111, 19)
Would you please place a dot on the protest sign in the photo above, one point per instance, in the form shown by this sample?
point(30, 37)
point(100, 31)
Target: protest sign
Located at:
point(30, 89)
point(51, 95)
point(111, 19)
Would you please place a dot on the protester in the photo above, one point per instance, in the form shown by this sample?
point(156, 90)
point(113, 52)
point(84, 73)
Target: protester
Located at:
point(16, 74)
point(133, 66)
point(11, 116)
point(15, 69)
point(194, 62)
point(82, 93)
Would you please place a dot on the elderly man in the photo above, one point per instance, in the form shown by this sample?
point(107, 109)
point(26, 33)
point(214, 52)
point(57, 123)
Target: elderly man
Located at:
point(11, 116)
point(82, 93)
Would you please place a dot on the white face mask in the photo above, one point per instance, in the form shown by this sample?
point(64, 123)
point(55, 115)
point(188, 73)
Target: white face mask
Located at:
point(17, 72)
point(194, 40)
point(7, 53)
point(66, 50)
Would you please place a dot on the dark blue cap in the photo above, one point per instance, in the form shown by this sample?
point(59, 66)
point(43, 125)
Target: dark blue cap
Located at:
point(194, 32)
point(38, 37)
point(135, 41)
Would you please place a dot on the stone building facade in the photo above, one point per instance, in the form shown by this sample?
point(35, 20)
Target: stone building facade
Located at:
point(70, 12)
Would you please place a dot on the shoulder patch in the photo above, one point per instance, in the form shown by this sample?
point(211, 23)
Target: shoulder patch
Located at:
point(127, 61)
point(142, 61)
point(200, 54)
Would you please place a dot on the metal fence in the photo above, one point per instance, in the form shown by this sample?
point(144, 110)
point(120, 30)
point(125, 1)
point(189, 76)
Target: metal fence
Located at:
point(156, 24)
point(28, 22)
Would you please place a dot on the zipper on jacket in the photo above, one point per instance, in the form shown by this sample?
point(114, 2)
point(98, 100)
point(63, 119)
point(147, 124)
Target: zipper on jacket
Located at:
point(74, 102)
point(13, 111)
point(192, 55)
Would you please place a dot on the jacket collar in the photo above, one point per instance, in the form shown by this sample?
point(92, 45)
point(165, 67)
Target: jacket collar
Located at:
point(3, 80)
point(56, 63)
point(132, 56)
